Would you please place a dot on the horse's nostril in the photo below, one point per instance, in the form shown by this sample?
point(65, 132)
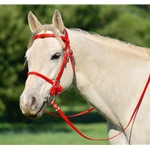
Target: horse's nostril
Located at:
point(33, 103)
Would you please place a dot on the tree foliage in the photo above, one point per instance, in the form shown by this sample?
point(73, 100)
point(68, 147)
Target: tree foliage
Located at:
point(129, 23)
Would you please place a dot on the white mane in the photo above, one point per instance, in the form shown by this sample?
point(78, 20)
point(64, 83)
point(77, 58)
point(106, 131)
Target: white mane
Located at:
point(116, 45)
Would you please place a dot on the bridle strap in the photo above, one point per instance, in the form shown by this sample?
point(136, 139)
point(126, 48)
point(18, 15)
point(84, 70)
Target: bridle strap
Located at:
point(70, 116)
point(56, 87)
point(41, 76)
point(42, 36)
point(70, 123)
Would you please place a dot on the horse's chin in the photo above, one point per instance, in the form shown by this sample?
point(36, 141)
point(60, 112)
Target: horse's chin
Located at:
point(39, 115)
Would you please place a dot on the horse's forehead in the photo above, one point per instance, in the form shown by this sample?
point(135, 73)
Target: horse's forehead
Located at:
point(43, 47)
point(47, 43)
point(45, 29)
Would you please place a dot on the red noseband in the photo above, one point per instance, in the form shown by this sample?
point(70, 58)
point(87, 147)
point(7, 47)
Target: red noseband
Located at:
point(56, 88)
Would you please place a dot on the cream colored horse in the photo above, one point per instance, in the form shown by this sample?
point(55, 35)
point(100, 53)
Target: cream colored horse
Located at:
point(110, 75)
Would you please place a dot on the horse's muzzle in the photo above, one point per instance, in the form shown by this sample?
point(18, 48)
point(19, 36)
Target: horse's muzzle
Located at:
point(31, 107)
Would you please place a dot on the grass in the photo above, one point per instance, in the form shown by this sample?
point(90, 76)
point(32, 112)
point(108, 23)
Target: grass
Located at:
point(49, 130)
point(51, 134)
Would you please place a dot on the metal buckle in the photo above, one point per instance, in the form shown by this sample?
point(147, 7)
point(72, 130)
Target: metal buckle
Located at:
point(49, 99)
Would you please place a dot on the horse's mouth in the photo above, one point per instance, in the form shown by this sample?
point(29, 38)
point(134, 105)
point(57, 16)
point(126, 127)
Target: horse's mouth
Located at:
point(39, 112)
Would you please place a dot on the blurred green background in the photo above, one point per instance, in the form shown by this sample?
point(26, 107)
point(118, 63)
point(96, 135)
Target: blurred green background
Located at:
point(128, 23)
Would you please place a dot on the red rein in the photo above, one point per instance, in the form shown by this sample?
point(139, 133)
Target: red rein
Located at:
point(100, 139)
point(56, 88)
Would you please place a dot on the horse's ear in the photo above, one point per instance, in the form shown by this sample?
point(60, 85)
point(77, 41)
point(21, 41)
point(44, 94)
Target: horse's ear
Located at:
point(57, 21)
point(33, 22)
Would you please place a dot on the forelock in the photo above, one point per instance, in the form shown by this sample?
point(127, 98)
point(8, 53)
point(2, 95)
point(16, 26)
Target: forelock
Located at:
point(43, 28)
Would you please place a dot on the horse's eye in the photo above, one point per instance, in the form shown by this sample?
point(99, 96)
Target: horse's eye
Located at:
point(55, 56)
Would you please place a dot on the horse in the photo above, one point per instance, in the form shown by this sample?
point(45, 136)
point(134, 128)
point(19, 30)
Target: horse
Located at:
point(110, 75)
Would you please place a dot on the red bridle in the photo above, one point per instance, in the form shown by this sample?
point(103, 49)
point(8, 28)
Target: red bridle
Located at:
point(56, 88)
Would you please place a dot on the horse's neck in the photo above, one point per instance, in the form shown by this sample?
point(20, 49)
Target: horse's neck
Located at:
point(103, 77)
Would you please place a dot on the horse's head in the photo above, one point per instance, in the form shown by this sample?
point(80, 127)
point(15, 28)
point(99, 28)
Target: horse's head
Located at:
point(50, 65)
